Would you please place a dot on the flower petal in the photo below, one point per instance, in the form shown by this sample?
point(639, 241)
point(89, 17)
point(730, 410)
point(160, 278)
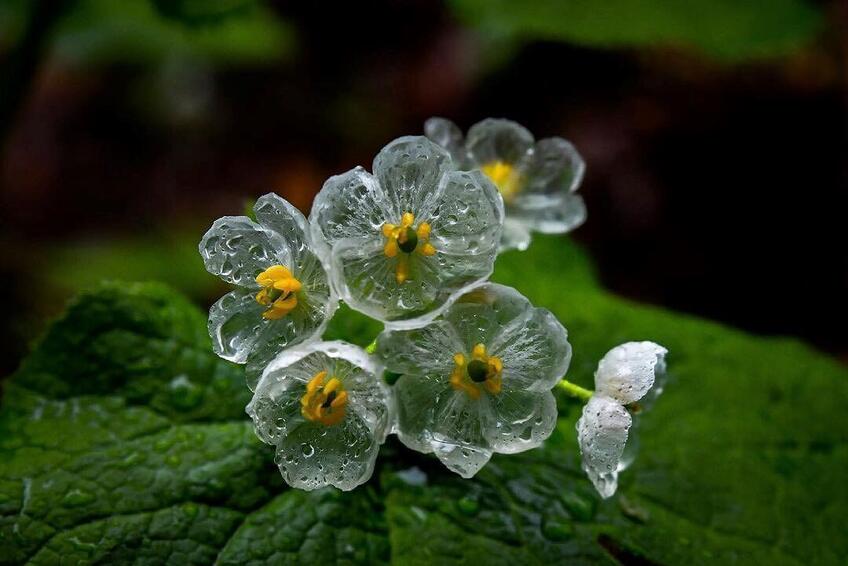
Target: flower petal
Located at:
point(236, 249)
point(478, 315)
point(468, 218)
point(457, 437)
point(409, 170)
point(521, 420)
point(312, 455)
point(515, 235)
point(278, 215)
point(421, 351)
point(627, 372)
point(449, 136)
point(549, 214)
point(493, 140)
point(602, 434)
point(556, 168)
point(534, 350)
point(235, 324)
point(349, 206)
point(416, 397)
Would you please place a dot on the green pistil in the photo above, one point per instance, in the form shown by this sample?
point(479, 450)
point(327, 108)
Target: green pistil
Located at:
point(478, 370)
point(410, 243)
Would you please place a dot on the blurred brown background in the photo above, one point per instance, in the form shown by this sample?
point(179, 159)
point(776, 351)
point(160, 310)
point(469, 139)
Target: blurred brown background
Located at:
point(715, 135)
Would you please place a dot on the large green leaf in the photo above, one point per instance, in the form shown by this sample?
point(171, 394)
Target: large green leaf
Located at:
point(726, 29)
point(122, 438)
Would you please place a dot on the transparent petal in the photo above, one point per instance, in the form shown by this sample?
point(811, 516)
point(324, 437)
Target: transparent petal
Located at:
point(457, 437)
point(417, 397)
point(307, 322)
point(309, 454)
point(627, 372)
point(409, 170)
point(449, 136)
point(468, 218)
point(278, 215)
point(420, 351)
point(312, 455)
point(515, 235)
point(499, 140)
point(602, 435)
point(349, 206)
point(550, 214)
point(365, 279)
point(519, 420)
point(478, 315)
point(555, 168)
point(236, 249)
point(534, 350)
point(235, 324)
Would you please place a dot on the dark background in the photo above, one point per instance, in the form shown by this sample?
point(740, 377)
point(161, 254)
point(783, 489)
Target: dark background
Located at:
point(715, 135)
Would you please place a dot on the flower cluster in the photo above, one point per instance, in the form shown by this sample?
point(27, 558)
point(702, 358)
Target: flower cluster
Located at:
point(537, 180)
point(412, 244)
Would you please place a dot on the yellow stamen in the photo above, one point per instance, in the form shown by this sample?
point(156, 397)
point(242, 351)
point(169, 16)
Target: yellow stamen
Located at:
point(278, 292)
point(468, 377)
point(324, 403)
point(403, 241)
point(505, 177)
point(402, 269)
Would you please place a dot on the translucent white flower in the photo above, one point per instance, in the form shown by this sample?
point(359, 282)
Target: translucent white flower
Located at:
point(626, 374)
point(538, 180)
point(325, 410)
point(283, 294)
point(477, 380)
point(407, 240)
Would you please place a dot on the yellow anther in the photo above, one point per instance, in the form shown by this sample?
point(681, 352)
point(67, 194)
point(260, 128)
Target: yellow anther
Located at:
point(504, 176)
point(324, 403)
point(479, 351)
point(340, 400)
point(481, 371)
point(278, 292)
point(332, 385)
point(403, 241)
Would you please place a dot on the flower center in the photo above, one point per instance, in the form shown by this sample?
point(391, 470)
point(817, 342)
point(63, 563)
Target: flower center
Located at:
point(324, 403)
point(404, 240)
point(504, 176)
point(481, 370)
point(278, 292)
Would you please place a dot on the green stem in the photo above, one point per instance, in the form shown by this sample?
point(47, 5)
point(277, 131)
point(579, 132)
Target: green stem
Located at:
point(372, 347)
point(575, 390)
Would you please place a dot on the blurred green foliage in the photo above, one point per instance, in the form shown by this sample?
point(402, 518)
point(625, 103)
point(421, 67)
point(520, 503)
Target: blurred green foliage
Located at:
point(145, 31)
point(726, 29)
point(170, 257)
